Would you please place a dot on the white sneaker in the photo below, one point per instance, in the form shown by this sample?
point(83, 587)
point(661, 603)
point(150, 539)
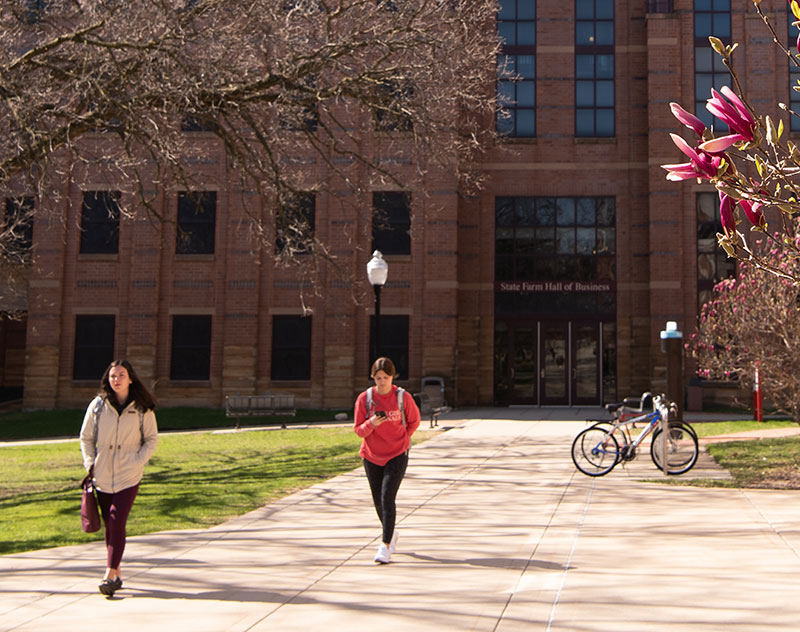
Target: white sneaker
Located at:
point(393, 543)
point(384, 555)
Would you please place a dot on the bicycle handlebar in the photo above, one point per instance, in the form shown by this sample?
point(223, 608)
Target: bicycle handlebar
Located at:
point(662, 401)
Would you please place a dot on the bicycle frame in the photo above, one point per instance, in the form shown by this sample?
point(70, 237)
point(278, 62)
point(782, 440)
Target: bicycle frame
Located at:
point(598, 448)
point(651, 419)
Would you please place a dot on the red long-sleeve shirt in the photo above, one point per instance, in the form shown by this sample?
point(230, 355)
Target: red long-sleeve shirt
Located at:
point(384, 442)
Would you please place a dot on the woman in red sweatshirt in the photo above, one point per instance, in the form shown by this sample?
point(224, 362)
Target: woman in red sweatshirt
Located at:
point(386, 432)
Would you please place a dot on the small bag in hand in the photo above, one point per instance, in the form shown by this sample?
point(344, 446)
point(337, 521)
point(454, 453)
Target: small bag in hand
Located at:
point(90, 516)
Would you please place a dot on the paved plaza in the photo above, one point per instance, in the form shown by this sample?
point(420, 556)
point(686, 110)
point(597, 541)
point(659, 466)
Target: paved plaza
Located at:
point(497, 531)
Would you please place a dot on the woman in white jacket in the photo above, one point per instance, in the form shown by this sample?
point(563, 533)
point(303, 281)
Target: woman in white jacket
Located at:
point(118, 437)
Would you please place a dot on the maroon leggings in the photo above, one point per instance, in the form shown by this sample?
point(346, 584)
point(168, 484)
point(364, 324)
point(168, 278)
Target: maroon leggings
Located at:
point(115, 509)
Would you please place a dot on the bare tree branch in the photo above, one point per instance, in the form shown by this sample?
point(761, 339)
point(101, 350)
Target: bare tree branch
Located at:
point(105, 87)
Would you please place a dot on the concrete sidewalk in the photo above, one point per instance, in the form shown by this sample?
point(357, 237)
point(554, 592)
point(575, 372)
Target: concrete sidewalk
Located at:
point(497, 531)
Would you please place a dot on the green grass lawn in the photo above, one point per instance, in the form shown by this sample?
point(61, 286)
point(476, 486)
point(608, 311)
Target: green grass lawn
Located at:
point(760, 463)
point(767, 463)
point(712, 428)
point(46, 424)
point(193, 481)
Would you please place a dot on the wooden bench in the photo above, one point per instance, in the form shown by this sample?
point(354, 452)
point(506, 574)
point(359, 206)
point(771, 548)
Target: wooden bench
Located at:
point(238, 406)
point(431, 400)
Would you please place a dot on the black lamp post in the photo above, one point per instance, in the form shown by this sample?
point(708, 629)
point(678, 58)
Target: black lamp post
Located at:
point(377, 273)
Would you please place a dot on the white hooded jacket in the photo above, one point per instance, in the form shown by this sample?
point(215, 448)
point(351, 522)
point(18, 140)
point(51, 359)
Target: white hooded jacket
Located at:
point(118, 445)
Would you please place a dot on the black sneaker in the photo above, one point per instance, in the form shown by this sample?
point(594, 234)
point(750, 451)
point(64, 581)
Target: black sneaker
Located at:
point(109, 586)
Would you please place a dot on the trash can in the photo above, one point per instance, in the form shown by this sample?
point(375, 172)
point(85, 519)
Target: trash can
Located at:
point(694, 395)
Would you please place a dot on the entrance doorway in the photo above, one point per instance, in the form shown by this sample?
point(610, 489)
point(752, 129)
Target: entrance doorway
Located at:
point(553, 362)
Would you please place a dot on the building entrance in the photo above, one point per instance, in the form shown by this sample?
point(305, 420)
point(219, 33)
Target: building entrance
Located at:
point(555, 300)
point(553, 362)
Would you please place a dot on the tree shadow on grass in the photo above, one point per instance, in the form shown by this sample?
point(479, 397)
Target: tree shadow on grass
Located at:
point(222, 486)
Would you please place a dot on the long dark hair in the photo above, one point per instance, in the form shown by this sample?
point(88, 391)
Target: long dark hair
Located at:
point(138, 391)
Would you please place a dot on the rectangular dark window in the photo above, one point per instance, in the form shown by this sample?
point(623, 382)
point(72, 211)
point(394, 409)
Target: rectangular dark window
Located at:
point(516, 68)
point(711, 17)
point(555, 243)
point(294, 224)
point(191, 348)
point(198, 123)
point(34, 11)
point(391, 111)
point(659, 6)
point(197, 212)
point(298, 108)
point(100, 222)
point(94, 346)
point(391, 222)
point(19, 221)
point(713, 265)
point(300, 118)
point(291, 348)
point(555, 239)
point(393, 342)
point(594, 68)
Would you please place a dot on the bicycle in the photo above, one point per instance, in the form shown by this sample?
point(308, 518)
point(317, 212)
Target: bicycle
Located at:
point(596, 450)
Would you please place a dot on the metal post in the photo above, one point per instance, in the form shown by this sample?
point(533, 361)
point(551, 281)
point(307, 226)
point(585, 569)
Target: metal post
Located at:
point(675, 374)
point(672, 345)
point(758, 401)
point(377, 354)
point(665, 434)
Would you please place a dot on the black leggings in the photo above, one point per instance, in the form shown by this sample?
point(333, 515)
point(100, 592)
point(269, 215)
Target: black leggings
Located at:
point(384, 481)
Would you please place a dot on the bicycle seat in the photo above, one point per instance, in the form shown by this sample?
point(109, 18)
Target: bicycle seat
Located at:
point(612, 408)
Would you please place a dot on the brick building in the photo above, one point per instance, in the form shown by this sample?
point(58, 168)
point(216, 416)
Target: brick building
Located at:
point(550, 286)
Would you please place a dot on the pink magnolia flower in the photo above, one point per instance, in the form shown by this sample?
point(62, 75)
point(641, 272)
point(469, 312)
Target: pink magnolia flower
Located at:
point(701, 165)
point(732, 111)
point(726, 206)
point(689, 120)
point(719, 145)
point(752, 211)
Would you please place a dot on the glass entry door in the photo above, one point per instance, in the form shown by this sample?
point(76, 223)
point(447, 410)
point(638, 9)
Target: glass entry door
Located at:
point(585, 363)
point(548, 363)
point(554, 374)
point(523, 368)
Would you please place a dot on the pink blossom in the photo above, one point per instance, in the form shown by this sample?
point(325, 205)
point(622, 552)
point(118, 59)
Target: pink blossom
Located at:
point(732, 112)
point(719, 145)
point(701, 165)
point(752, 211)
point(726, 206)
point(689, 120)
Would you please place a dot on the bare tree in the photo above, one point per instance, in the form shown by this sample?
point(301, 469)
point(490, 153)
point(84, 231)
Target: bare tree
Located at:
point(114, 89)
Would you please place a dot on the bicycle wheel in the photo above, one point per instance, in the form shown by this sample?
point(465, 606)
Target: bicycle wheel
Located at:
point(686, 426)
point(595, 451)
point(682, 449)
